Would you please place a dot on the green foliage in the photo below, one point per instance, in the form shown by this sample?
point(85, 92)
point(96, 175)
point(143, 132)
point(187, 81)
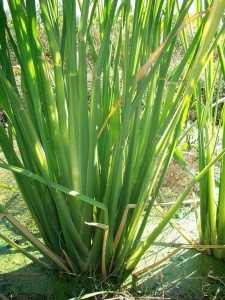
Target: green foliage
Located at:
point(90, 165)
point(210, 132)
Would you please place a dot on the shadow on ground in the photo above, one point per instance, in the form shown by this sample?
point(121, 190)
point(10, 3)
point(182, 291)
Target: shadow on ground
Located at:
point(21, 279)
point(31, 282)
point(188, 275)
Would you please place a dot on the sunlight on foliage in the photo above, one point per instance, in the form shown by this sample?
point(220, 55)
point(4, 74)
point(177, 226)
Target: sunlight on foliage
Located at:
point(97, 117)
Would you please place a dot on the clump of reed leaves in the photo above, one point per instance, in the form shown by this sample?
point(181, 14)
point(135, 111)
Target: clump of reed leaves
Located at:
point(211, 138)
point(90, 164)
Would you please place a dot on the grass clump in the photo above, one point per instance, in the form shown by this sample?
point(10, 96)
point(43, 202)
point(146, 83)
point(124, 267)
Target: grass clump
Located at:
point(88, 161)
